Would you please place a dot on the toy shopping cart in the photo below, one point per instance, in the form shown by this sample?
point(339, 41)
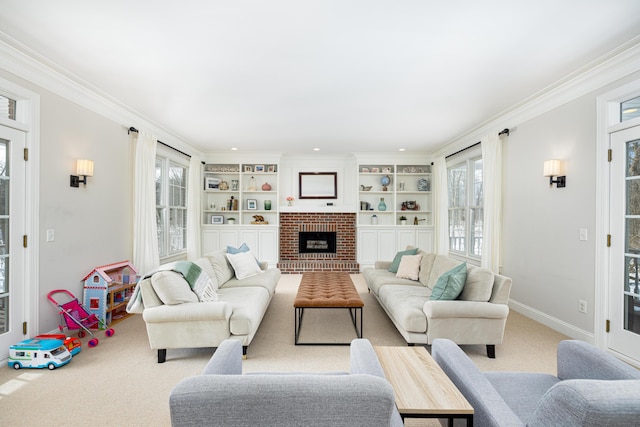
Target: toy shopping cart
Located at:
point(76, 316)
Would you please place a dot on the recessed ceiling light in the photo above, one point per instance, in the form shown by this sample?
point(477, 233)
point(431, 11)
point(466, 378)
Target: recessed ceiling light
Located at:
point(316, 149)
point(402, 149)
point(234, 149)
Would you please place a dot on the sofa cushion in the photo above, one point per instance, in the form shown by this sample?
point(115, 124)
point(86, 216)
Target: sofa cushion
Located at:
point(478, 286)
point(450, 284)
point(409, 267)
point(248, 306)
point(268, 280)
point(221, 266)
point(404, 304)
point(244, 264)
point(441, 264)
point(377, 278)
point(171, 288)
point(396, 260)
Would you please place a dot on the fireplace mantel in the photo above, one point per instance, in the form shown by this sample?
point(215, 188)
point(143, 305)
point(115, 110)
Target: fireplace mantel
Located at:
point(317, 208)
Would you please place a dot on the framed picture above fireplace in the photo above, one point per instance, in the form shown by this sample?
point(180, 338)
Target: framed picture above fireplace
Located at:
point(318, 185)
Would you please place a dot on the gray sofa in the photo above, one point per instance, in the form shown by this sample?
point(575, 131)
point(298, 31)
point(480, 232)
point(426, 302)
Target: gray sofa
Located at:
point(175, 321)
point(222, 396)
point(592, 388)
point(477, 316)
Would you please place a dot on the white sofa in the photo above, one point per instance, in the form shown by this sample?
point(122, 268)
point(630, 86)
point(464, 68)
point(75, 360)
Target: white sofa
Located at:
point(477, 316)
point(175, 319)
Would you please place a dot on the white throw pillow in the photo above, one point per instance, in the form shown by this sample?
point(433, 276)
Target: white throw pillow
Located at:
point(409, 267)
point(244, 264)
point(171, 288)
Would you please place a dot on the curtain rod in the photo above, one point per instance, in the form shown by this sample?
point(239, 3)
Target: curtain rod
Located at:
point(132, 129)
point(504, 131)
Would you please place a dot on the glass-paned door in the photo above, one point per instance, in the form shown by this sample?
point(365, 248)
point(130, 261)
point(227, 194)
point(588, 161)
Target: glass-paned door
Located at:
point(624, 292)
point(12, 213)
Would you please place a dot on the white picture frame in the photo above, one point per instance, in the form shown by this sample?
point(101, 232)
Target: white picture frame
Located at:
point(252, 204)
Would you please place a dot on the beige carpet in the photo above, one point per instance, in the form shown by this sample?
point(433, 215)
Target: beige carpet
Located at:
point(120, 383)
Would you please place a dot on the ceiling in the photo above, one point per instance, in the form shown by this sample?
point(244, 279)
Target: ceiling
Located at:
point(340, 75)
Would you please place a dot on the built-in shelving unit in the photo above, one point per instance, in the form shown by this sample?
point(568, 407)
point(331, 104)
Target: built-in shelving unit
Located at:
point(407, 194)
point(240, 194)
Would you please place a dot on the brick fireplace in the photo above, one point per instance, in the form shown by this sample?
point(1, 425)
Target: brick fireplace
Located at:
point(344, 257)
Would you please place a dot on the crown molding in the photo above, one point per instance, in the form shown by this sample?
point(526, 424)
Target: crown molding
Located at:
point(29, 65)
point(614, 65)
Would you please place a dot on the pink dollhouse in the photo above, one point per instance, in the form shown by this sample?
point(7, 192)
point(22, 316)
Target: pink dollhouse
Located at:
point(107, 290)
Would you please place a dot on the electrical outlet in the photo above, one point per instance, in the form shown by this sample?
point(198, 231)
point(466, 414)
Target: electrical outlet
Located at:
point(582, 306)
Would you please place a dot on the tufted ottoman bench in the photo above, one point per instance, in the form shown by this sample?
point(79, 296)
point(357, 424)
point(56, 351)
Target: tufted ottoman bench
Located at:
point(327, 290)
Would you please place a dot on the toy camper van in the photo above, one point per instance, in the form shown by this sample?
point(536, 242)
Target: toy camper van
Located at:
point(38, 353)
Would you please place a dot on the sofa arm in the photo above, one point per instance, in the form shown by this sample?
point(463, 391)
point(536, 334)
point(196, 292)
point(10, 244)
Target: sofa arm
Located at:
point(489, 408)
point(464, 309)
point(382, 265)
point(226, 360)
point(363, 359)
point(188, 312)
point(589, 402)
point(580, 360)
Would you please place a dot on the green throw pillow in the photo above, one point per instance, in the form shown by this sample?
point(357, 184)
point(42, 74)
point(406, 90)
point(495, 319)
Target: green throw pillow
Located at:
point(396, 261)
point(450, 284)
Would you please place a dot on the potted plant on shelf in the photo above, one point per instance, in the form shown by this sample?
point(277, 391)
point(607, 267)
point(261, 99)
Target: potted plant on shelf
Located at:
point(231, 220)
point(403, 220)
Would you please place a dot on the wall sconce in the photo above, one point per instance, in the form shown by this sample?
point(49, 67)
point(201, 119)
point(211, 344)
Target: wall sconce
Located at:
point(555, 168)
point(84, 168)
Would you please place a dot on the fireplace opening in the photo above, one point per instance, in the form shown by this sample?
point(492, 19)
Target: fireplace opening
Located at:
point(317, 242)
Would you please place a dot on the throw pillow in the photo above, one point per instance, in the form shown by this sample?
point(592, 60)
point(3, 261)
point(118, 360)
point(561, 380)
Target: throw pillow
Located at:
point(478, 286)
point(409, 267)
point(172, 288)
point(244, 265)
point(393, 268)
point(450, 284)
point(243, 248)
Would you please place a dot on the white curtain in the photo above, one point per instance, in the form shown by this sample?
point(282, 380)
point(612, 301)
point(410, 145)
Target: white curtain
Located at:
point(441, 207)
point(145, 230)
point(193, 208)
point(492, 193)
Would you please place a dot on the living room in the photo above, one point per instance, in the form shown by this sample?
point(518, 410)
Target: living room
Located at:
point(552, 267)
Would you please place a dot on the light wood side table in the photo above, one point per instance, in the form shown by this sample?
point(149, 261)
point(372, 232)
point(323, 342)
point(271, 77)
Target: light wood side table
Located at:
point(421, 387)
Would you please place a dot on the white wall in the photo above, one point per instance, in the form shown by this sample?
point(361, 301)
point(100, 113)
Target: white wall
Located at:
point(550, 267)
point(92, 224)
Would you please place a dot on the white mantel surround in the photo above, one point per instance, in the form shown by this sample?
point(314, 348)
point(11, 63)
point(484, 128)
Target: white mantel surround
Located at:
point(317, 208)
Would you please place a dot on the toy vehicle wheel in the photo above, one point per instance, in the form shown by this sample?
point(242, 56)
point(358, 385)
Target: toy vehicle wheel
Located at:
point(93, 342)
point(16, 366)
point(109, 332)
point(51, 366)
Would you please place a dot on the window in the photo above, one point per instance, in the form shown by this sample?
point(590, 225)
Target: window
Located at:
point(630, 109)
point(464, 178)
point(7, 108)
point(172, 173)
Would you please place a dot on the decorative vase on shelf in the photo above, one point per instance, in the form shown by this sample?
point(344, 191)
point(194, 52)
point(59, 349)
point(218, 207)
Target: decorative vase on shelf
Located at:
point(266, 187)
point(252, 186)
point(267, 205)
point(382, 206)
point(374, 219)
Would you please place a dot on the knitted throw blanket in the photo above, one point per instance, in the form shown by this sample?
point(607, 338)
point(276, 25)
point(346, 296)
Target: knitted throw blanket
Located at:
point(197, 279)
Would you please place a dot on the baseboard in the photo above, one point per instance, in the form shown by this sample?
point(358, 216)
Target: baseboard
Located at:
point(557, 325)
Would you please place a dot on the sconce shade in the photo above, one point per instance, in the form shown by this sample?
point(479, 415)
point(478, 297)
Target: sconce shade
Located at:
point(552, 167)
point(84, 167)
point(555, 168)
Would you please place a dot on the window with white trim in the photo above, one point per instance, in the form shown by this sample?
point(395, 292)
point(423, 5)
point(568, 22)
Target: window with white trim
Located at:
point(464, 176)
point(172, 172)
